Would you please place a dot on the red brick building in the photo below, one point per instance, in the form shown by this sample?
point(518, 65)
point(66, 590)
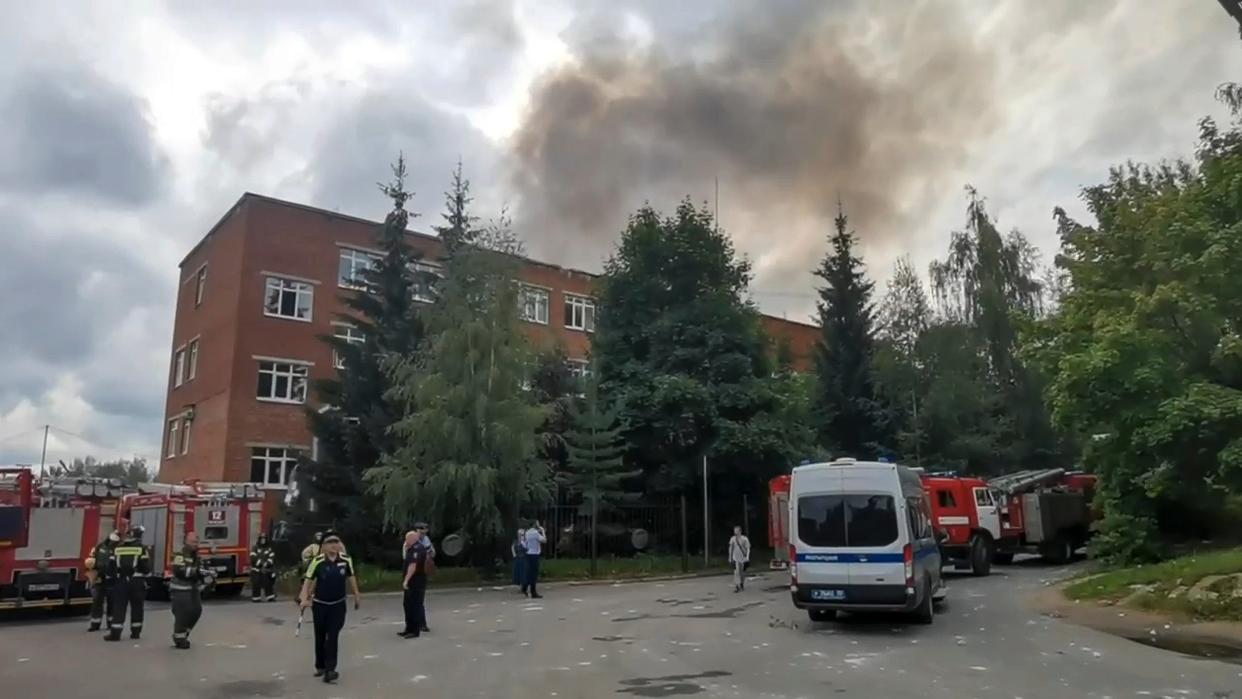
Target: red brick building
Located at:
point(258, 293)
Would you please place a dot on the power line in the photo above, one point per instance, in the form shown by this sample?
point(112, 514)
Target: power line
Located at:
point(20, 434)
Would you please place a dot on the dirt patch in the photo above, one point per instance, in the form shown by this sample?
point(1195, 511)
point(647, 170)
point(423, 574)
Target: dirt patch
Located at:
point(1218, 640)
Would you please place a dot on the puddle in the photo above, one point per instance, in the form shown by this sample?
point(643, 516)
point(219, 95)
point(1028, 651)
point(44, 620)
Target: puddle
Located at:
point(668, 686)
point(1196, 649)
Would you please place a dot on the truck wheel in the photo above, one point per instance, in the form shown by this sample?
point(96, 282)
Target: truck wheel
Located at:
point(1058, 551)
point(822, 614)
point(1002, 557)
point(981, 555)
point(926, 611)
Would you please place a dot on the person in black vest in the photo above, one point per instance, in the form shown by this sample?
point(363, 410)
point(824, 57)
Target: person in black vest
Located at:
point(415, 585)
point(188, 573)
point(127, 573)
point(324, 591)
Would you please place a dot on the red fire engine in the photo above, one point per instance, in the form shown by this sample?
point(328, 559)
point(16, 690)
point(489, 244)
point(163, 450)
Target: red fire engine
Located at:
point(228, 517)
point(48, 528)
point(778, 521)
point(1044, 511)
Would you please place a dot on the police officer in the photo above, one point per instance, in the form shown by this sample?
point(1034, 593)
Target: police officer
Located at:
point(96, 566)
point(188, 574)
point(128, 573)
point(262, 571)
point(324, 591)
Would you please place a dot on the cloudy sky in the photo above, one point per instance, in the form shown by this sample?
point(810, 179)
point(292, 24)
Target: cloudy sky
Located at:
point(130, 127)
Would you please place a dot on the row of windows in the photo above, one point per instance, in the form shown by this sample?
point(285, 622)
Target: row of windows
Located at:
point(178, 441)
point(185, 363)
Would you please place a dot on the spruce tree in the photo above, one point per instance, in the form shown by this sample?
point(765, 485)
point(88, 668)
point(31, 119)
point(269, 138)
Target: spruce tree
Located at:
point(467, 456)
point(851, 421)
point(352, 424)
point(596, 470)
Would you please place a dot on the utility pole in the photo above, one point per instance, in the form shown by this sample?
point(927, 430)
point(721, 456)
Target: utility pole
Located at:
point(918, 448)
point(43, 458)
point(705, 516)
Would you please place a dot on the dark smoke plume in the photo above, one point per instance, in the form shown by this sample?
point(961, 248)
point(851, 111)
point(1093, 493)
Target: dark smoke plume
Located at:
point(790, 109)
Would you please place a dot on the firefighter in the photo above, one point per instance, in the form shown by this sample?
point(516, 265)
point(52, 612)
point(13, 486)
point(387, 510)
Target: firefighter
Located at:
point(128, 573)
point(96, 566)
point(262, 571)
point(188, 574)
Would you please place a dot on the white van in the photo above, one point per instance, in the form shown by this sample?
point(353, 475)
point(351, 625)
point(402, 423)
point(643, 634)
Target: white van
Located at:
point(861, 539)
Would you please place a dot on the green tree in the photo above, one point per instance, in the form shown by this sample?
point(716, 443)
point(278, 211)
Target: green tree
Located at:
point(989, 283)
point(904, 320)
point(683, 351)
point(552, 386)
point(1145, 351)
point(353, 424)
point(596, 470)
point(468, 447)
point(851, 419)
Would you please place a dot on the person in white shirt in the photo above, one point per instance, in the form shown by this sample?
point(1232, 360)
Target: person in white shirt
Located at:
point(535, 538)
point(739, 558)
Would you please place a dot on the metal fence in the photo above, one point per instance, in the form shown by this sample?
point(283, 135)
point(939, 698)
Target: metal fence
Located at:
point(624, 530)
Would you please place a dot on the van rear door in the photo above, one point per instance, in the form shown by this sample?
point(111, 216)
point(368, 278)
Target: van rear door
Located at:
point(875, 541)
point(819, 535)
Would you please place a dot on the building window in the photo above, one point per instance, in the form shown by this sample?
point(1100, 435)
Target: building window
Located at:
point(282, 382)
point(271, 465)
point(580, 369)
point(579, 313)
point(426, 276)
point(288, 299)
point(349, 334)
point(185, 435)
point(352, 273)
point(534, 304)
point(200, 284)
point(179, 368)
point(171, 450)
point(192, 362)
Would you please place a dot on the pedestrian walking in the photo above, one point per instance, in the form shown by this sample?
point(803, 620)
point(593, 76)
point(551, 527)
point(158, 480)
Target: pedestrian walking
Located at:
point(324, 591)
point(739, 558)
point(414, 585)
point(262, 571)
point(96, 565)
point(535, 539)
point(518, 549)
point(127, 575)
point(188, 574)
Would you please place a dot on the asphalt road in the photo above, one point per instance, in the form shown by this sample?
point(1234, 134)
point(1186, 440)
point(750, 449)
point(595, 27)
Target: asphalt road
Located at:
point(672, 639)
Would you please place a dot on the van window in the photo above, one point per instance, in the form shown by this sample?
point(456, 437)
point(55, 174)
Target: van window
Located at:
point(917, 518)
point(945, 498)
point(847, 520)
point(215, 533)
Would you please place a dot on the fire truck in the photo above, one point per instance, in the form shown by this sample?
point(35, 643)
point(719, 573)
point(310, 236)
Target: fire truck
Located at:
point(228, 517)
point(778, 521)
point(48, 528)
point(1046, 511)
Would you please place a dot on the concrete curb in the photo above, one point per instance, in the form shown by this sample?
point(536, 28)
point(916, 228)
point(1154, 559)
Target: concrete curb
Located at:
point(556, 584)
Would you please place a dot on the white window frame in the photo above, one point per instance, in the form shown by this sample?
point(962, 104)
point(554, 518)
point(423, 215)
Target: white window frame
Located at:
point(200, 285)
point(170, 450)
point(186, 422)
point(282, 286)
point(529, 298)
point(350, 334)
point(191, 363)
point(425, 267)
point(179, 366)
point(579, 368)
point(359, 261)
point(296, 372)
point(270, 456)
point(576, 305)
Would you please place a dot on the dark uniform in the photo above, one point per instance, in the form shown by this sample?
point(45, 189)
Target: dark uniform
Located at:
point(100, 605)
point(262, 572)
point(188, 574)
point(331, 578)
point(415, 596)
point(127, 573)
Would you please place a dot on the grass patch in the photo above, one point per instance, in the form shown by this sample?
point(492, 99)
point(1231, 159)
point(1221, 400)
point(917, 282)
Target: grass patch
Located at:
point(373, 578)
point(1150, 586)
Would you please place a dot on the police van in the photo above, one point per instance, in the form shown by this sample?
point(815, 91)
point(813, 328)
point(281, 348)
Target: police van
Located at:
point(861, 539)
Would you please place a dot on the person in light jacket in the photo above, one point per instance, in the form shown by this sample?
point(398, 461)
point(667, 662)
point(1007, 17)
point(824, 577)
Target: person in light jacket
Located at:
point(739, 558)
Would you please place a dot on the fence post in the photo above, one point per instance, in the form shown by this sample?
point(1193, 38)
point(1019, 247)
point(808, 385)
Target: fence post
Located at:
point(685, 539)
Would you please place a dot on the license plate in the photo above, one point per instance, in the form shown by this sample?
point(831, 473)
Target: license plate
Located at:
point(828, 595)
point(43, 587)
point(221, 569)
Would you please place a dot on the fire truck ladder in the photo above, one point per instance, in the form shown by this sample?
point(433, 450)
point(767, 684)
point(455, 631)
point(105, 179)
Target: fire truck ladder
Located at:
point(85, 487)
point(1025, 481)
